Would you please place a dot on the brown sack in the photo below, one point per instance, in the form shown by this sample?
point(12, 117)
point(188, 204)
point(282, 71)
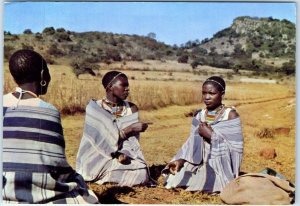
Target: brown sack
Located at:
point(258, 189)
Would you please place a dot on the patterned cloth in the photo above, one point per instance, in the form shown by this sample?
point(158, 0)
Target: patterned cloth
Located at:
point(9, 100)
point(99, 144)
point(209, 167)
point(35, 169)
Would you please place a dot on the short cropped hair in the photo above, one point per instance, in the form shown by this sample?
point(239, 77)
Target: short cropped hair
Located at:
point(26, 65)
point(108, 78)
point(218, 82)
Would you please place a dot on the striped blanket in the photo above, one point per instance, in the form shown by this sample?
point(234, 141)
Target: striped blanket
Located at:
point(35, 169)
point(99, 143)
point(209, 167)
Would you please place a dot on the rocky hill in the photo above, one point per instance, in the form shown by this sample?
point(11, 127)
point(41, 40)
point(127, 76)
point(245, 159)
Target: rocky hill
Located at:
point(259, 44)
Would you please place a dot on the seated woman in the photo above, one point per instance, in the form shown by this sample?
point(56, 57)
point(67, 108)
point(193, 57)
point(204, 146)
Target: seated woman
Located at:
point(109, 150)
point(212, 154)
point(35, 169)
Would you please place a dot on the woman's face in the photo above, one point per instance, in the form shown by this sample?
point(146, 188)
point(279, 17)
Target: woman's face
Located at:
point(211, 96)
point(120, 88)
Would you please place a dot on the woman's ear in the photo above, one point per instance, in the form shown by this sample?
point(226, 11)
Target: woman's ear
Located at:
point(223, 94)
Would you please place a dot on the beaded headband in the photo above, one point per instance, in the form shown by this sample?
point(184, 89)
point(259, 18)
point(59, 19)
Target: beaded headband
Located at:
point(113, 80)
point(211, 80)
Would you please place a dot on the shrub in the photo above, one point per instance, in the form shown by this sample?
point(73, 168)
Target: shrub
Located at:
point(49, 59)
point(136, 57)
point(49, 31)
point(289, 67)
point(62, 36)
point(38, 36)
point(265, 133)
point(25, 46)
point(27, 31)
point(195, 64)
point(53, 50)
point(113, 54)
point(183, 58)
point(81, 66)
point(151, 56)
point(8, 51)
point(60, 30)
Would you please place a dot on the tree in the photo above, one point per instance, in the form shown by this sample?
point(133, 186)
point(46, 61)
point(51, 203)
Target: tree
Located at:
point(49, 30)
point(238, 50)
point(151, 35)
point(27, 31)
point(60, 30)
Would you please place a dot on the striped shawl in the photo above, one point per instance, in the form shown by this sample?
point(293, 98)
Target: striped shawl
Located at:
point(209, 166)
point(35, 169)
point(99, 143)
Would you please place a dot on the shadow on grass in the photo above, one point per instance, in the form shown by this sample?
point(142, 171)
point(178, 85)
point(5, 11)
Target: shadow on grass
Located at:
point(110, 195)
point(155, 171)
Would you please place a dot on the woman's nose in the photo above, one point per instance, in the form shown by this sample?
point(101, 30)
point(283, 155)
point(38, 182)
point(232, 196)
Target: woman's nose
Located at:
point(206, 96)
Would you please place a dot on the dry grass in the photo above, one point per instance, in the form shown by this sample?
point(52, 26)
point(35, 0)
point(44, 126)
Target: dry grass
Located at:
point(170, 130)
point(70, 95)
point(262, 107)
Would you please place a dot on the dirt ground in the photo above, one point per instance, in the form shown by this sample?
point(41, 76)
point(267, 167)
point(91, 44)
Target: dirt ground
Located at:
point(169, 132)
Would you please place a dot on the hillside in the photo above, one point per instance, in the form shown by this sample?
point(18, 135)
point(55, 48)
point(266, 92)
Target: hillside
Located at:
point(258, 44)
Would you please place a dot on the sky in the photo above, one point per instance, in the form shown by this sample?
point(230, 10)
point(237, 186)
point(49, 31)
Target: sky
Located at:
point(172, 22)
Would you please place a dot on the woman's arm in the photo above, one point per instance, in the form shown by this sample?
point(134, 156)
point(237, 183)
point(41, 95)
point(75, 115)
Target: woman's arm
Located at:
point(233, 114)
point(205, 131)
point(135, 128)
point(133, 107)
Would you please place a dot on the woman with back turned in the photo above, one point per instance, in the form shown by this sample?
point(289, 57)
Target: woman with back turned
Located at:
point(35, 169)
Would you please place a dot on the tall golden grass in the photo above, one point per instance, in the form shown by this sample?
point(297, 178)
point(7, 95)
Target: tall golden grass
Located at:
point(71, 95)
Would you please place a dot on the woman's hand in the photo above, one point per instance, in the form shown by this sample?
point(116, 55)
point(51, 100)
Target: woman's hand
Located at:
point(205, 130)
point(135, 128)
point(139, 127)
point(175, 166)
point(124, 159)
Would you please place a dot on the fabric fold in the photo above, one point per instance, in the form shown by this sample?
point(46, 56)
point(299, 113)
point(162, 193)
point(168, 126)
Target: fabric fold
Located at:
point(35, 168)
point(96, 155)
point(209, 166)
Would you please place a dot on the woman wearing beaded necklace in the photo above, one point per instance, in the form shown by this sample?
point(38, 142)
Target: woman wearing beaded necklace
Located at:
point(212, 154)
point(35, 169)
point(109, 150)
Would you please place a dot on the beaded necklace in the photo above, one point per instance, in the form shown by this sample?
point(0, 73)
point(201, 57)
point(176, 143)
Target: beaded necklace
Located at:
point(114, 108)
point(211, 116)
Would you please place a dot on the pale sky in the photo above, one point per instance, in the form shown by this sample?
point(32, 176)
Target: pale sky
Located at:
point(172, 22)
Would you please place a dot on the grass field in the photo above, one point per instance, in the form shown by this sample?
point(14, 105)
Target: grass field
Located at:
point(267, 112)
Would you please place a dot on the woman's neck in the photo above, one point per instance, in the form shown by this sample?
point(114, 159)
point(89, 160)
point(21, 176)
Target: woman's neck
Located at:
point(113, 99)
point(219, 107)
point(30, 89)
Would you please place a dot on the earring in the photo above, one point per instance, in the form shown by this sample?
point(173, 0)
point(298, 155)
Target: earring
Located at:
point(43, 83)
